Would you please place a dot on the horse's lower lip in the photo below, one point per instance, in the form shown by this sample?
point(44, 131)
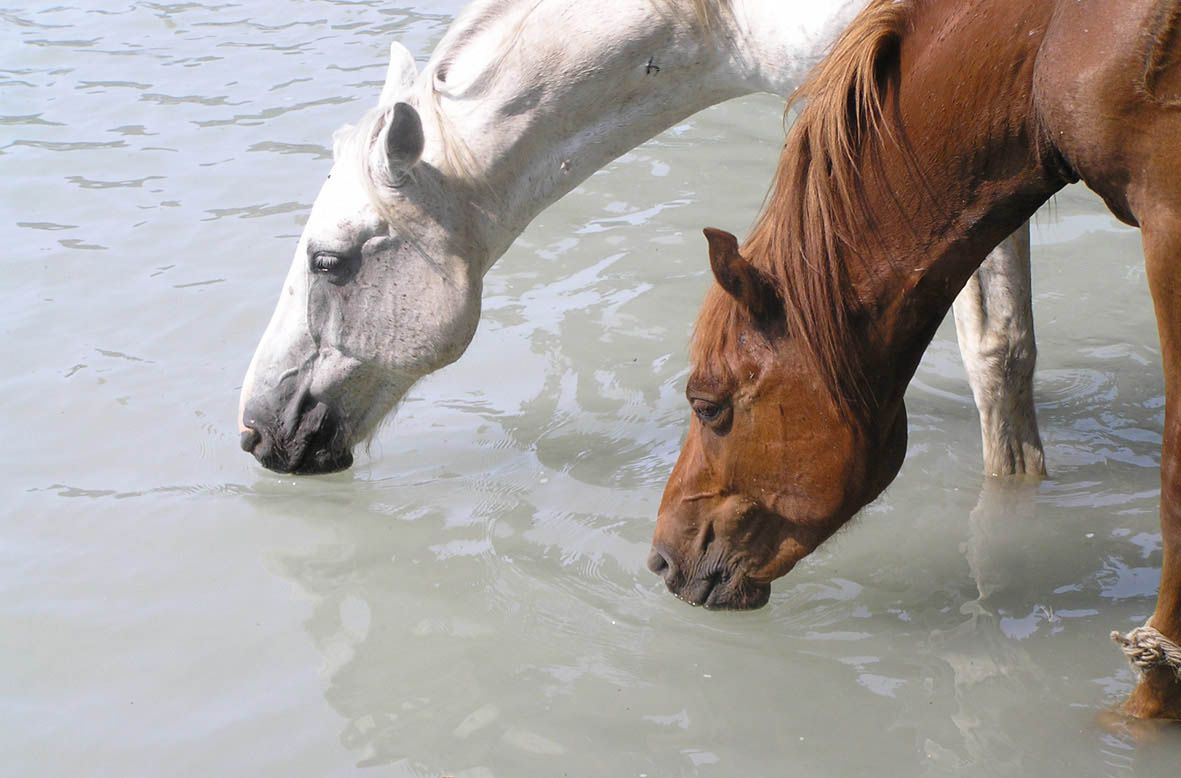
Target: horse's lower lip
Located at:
point(337, 463)
point(716, 592)
point(693, 594)
point(752, 596)
point(249, 438)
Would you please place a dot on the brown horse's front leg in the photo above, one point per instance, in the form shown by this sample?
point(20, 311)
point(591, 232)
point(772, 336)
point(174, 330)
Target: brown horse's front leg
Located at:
point(1158, 694)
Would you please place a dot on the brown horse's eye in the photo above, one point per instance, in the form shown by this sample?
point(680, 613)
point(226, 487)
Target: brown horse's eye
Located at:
point(707, 410)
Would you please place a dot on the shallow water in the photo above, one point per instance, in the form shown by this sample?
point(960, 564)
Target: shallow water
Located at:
point(471, 599)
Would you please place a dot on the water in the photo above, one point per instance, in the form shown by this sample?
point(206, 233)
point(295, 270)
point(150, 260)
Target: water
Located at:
point(471, 599)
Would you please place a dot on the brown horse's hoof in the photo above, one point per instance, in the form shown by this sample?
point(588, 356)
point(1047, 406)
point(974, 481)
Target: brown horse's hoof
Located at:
point(1158, 661)
point(1129, 728)
point(1151, 712)
point(1156, 696)
point(1140, 731)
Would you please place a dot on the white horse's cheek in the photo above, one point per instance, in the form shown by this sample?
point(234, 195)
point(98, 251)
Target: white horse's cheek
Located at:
point(332, 371)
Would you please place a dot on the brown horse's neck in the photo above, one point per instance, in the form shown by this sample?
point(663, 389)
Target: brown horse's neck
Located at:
point(966, 165)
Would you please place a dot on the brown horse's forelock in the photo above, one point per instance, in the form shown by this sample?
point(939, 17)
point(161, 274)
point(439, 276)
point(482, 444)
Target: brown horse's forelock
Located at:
point(803, 240)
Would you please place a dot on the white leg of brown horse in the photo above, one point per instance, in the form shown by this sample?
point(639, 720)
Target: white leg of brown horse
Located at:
point(994, 324)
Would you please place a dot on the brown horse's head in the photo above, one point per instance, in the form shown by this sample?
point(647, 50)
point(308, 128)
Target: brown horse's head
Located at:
point(773, 463)
point(797, 382)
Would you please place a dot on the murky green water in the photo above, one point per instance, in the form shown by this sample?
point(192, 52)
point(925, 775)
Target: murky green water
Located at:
point(471, 600)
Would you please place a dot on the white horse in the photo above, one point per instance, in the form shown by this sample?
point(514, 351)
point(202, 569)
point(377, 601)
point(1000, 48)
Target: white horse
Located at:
point(521, 101)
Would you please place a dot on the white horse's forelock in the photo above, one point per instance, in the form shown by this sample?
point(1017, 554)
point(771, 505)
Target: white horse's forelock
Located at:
point(359, 147)
point(362, 147)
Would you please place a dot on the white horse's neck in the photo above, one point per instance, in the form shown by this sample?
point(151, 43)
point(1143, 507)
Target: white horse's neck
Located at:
point(527, 98)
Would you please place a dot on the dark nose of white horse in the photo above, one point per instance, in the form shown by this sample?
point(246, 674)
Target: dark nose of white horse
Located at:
point(289, 430)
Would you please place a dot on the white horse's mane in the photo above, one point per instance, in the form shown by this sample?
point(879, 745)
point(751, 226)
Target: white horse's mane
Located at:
point(476, 18)
point(363, 140)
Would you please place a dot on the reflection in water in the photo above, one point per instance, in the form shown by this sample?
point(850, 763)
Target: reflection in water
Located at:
point(1014, 556)
point(415, 662)
point(988, 666)
point(484, 633)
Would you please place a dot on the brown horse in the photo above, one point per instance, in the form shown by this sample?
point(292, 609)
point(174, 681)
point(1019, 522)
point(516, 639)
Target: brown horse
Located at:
point(932, 130)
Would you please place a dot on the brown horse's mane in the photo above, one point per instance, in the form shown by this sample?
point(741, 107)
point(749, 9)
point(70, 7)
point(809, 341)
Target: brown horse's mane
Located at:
point(1161, 55)
point(803, 240)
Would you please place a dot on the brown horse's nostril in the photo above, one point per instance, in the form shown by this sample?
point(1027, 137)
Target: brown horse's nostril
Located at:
point(658, 562)
point(250, 438)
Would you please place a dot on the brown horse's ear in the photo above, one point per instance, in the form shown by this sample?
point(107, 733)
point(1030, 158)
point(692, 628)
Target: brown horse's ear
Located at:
point(745, 282)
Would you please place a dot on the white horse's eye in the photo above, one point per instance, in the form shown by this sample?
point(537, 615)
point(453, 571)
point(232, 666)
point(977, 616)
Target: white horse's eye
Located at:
point(326, 263)
point(337, 269)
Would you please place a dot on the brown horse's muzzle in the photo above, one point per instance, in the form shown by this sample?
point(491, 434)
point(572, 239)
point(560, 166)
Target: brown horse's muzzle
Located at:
point(707, 581)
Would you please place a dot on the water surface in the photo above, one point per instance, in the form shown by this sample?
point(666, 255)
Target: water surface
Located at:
point(471, 599)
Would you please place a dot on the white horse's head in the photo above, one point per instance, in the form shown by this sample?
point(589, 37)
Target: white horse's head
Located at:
point(381, 292)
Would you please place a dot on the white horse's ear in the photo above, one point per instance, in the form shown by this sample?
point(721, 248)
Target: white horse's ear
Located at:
point(404, 140)
point(400, 76)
